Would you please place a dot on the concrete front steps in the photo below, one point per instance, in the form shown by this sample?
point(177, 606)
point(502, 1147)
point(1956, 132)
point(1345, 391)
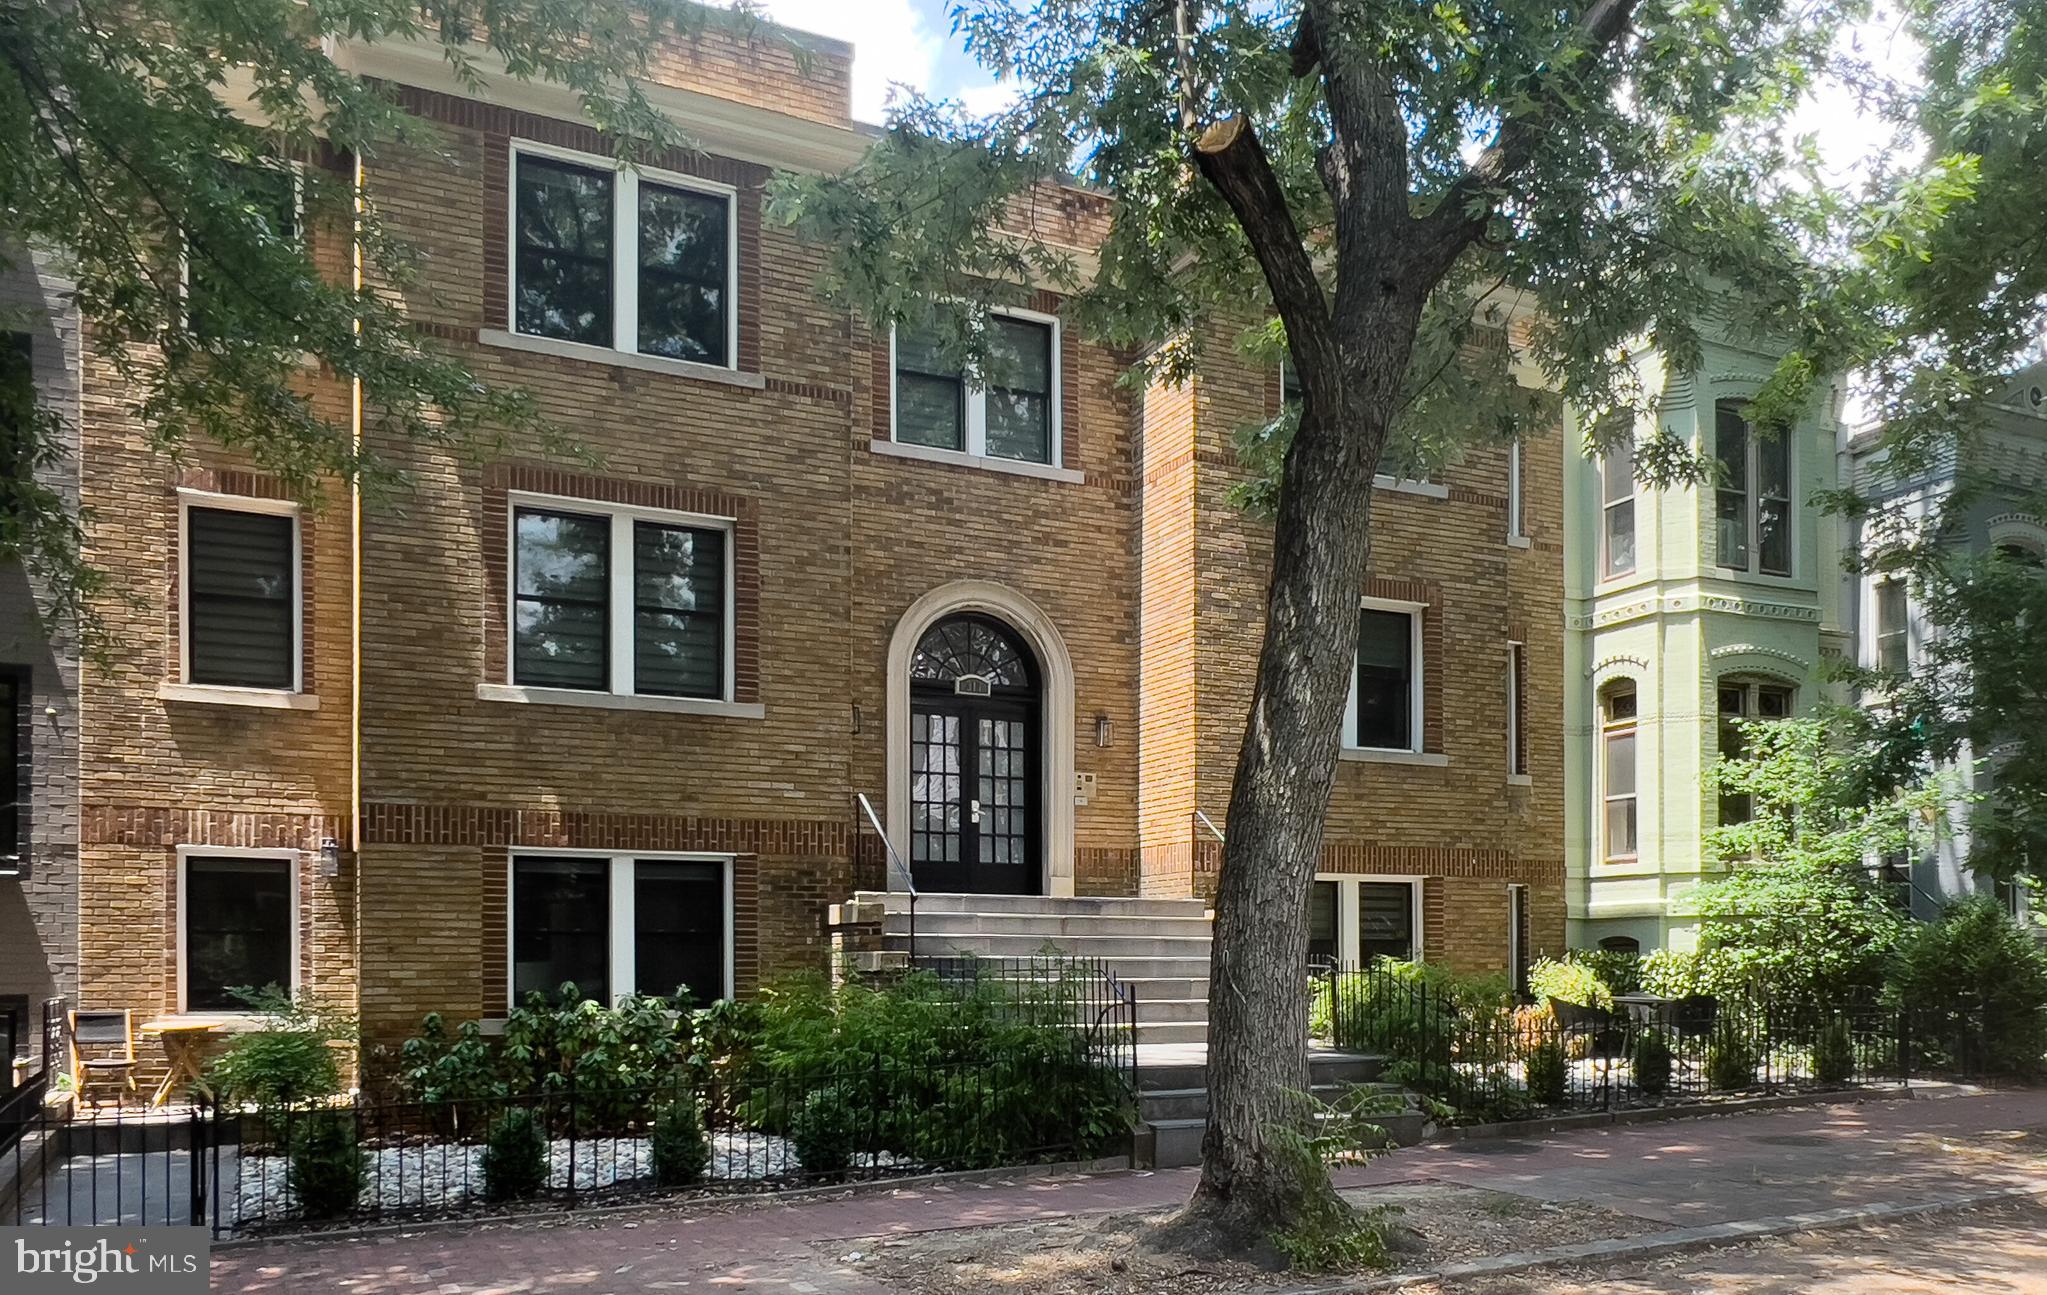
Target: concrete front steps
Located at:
point(1157, 947)
point(1172, 1100)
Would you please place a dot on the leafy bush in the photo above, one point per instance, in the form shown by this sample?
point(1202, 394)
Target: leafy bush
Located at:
point(1324, 1233)
point(453, 1076)
point(681, 1153)
point(325, 1167)
point(1547, 1073)
point(1730, 1060)
point(1620, 972)
point(1652, 1063)
point(1973, 986)
point(824, 1131)
point(1461, 1096)
point(1403, 1009)
point(288, 1060)
point(1573, 982)
point(1833, 1053)
point(514, 1161)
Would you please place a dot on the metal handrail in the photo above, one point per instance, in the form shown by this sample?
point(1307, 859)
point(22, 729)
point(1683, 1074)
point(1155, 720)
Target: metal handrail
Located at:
point(1208, 823)
point(897, 864)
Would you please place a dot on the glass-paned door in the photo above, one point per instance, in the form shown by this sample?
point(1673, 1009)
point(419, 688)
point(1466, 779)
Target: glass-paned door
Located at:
point(974, 810)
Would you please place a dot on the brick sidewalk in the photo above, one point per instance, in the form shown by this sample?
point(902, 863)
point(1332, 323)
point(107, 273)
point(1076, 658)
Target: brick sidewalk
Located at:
point(1684, 1172)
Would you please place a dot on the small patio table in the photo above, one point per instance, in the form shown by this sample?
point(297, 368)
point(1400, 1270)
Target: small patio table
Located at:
point(184, 1045)
point(1645, 1009)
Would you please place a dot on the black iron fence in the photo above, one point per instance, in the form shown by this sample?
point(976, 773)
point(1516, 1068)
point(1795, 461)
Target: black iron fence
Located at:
point(1489, 1057)
point(19, 1101)
point(1066, 1091)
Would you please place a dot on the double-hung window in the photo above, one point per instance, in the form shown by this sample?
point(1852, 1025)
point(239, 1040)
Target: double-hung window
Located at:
point(1752, 503)
point(642, 262)
point(1617, 774)
point(1740, 702)
point(241, 612)
point(618, 925)
point(1893, 627)
point(239, 924)
point(1013, 413)
point(617, 600)
point(1386, 688)
point(1617, 503)
point(1354, 920)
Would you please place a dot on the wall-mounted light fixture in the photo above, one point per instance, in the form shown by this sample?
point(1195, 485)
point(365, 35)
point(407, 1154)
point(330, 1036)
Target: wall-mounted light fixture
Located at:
point(1105, 731)
point(330, 857)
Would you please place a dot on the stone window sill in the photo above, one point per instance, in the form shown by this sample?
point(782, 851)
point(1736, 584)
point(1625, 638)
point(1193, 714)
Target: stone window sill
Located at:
point(1520, 780)
point(215, 695)
point(1429, 489)
point(620, 359)
point(1372, 755)
point(1519, 542)
point(960, 459)
point(504, 692)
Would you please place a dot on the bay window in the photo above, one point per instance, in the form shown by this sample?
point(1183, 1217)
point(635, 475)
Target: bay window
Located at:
point(1617, 504)
point(1752, 503)
point(1621, 814)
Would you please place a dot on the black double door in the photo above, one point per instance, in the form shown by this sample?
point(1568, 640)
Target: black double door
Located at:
point(974, 813)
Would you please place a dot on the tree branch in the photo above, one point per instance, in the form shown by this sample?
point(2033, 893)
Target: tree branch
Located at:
point(1233, 160)
point(1462, 214)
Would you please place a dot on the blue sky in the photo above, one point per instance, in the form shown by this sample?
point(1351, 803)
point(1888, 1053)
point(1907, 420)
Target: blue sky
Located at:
point(895, 41)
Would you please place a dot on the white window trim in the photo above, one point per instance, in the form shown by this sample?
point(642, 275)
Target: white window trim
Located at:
point(1872, 617)
point(619, 606)
point(1517, 520)
point(184, 689)
point(1517, 664)
point(1633, 499)
point(974, 430)
point(1752, 507)
point(1517, 907)
point(1416, 684)
point(1602, 729)
point(1347, 932)
point(625, 253)
point(620, 977)
point(186, 853)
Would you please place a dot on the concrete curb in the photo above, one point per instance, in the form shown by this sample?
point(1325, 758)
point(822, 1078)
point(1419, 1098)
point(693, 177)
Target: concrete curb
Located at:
point(1660, 1114)
point(1677, 1241)
point(734, 1200)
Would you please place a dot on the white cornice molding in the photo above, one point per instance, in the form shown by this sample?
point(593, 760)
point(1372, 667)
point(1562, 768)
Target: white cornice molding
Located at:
point(720, 126)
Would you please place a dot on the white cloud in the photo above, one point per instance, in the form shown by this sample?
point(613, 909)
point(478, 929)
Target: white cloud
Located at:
point(892, 43)
point(987, 100)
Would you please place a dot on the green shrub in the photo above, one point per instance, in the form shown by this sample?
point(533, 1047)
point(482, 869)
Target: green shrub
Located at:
point(1620, 972)
point(1547, 1073)
point(1973, 987)
point(1404, 1009)
point(288, 1060)
point(823, 1132)
point(1573, 982)
point(515, 1157)
point(1651, 1063)
point(1833, 1053)
point(325, 1168)
point(681, 1152)
point(1730, 1060)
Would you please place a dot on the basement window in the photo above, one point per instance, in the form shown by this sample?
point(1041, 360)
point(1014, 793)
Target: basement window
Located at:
point(618, 925)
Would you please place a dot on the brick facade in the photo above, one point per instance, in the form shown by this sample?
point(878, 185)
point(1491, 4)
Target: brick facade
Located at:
point(1146, 583)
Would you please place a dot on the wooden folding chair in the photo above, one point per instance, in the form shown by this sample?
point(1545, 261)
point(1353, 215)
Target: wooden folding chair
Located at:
point(112, 1032)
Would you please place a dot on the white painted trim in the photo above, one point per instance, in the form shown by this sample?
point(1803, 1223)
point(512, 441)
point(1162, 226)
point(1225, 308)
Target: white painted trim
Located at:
point(619, 606)
point(960, 459)
point(1347, 940)
point(1056, 703)
point(625, 245)
point(1404, 486)
point(517, 695)
point(974, 429)
point(1520, 780)
point(188, 500)
point(207, 694)
point(568, 350)
point(1516, 523)
point(185, 854)
point(1416, 693)
point(1517, 903)
point(1516, 665)
point(620, 971)
point(1709, 506)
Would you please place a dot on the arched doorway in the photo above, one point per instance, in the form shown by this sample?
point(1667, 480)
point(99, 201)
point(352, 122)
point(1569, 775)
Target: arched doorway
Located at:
point(976, 746)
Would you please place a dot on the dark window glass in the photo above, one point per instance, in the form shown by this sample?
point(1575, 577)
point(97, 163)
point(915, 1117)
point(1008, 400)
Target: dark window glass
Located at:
point(1620, 944)
point(1773, 505)
point(243, 590)
point(930, 395)
point(1289, 385)
point(17, 419)
point(1730, 515)
point(1385, 680)
point(678, 610)
point(562, 606)
point(13, 776)
point(564, 242)
point(560, 916)
point(1735, 807)
point(679, 929)
point(215, 301)
point(1324, 939)
point(237, 929)
point(683, 245)
point(1385, 920)
point(1893, 639)
point(1020, 390)
point(1517, 714)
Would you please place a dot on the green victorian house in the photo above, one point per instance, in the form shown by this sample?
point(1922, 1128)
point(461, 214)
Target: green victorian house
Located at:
point(1685, 608)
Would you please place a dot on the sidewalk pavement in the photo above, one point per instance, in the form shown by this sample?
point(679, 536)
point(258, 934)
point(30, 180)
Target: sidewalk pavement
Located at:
point(1682, 1173)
